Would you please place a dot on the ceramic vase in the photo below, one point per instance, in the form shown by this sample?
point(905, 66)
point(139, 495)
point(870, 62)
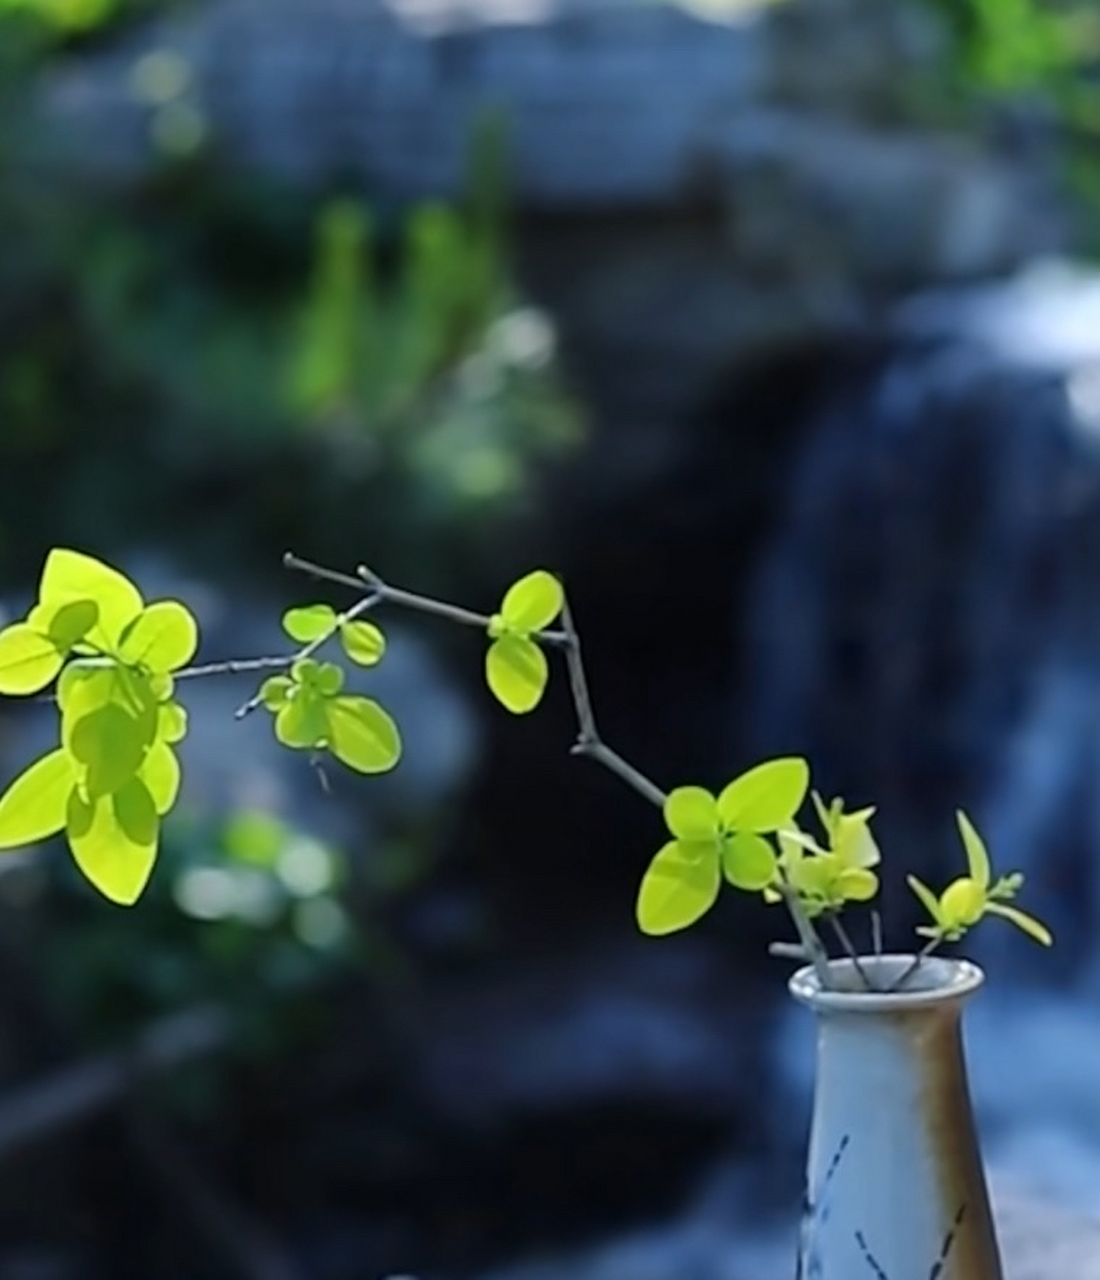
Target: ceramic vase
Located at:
point(895, 1188)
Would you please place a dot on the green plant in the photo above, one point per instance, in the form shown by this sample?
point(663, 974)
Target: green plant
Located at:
point(118, 663)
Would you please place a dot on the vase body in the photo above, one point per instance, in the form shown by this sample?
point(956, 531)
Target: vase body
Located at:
point(895, 1188)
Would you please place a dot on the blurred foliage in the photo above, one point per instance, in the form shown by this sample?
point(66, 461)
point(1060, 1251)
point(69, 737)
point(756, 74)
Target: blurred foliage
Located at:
point(1043, 51)
point(371, 370)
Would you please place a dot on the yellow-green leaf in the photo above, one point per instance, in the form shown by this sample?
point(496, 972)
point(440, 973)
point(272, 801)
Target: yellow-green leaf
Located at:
point(275, 692)
point(857, 884)
point(679, 887)
point(533, 602)
point(363, 642)
point(302, 722)
point(977, 855)
point(171, 722)
point(927, 897)
point(517, 671)
point(1032, 927)
point(962, 903)
point(28, 660)
point(163, 637)
point(160, 772)
point(691, 813)
point(110, 744)
point(767, 797)
point(114, 840)
point(70, 575)
point(309, 622)
point(362, 735)
point(749, 861)
point(33, 807)
point(65, 622)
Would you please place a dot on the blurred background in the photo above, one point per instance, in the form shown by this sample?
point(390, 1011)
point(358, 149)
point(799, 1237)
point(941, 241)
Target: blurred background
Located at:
point(774, 328)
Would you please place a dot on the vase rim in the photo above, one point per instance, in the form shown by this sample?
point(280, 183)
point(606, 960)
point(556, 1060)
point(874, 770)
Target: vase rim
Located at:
point(938, 981)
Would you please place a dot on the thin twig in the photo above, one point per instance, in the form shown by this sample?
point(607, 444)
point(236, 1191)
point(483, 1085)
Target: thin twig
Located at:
point(589, 743)
point(931, 945)
point(789, 951)
point(807, 934)
point(876, 931)
point(236, 667)
point(849, 948)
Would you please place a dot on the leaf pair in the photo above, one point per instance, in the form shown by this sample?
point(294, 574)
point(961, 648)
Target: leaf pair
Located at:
point(363, 642)
point(967, 899)
point(312, 714)
point(716, 837)
point(515, 666)
point(115, 774)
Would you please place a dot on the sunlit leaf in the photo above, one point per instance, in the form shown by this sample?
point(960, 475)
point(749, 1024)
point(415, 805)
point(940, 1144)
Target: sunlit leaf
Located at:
point(1032, 927)
point(111, 745)
point(329, 679)
point(362, 735)
point(160, 772)
point(171, 722)
point(691, 813)
point(517, 671)
point(66, 623)
point(961, 903)
point(680, 886)
point(857, 884)
point(852, 840)
point(533, 602)
point(34, 806)
point(70, 575)
point(363, 642)
point(84, 690)
point(309, 622)
point(749, 861)
point(162, 638)
point(306, 670)
point(28, 661)
point(976, 854)
point(275, 691)
point(302, 722)
point(767, 797)
point(114, 840)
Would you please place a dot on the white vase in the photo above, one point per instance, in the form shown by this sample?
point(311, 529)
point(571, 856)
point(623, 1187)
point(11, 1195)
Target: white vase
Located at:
point(894, 1187)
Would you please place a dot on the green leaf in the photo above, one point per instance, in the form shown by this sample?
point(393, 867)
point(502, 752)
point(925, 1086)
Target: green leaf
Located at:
point(65, 623)
point(306, 671)
point(114, 840)
point(28, 661)
point(852, 841)
point(362, 735)
point(927, 897)
point(766, 797)
point(517, 671)
point(363, 642)
point(110, 743)
point(857, 884)
point(976, 854)
point(309, 622)
point(275, 691)
point(329, 679)
point(162, 638)
point(302, 722)
point(749, 861)
point(691, 813)
point(962, 903)
point(33, 807)
point(70, 575)
point(533, 602)
point(1032, 927)
point(680, 886)
point(171, 722)
point(83, 690)
point(160, 772)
